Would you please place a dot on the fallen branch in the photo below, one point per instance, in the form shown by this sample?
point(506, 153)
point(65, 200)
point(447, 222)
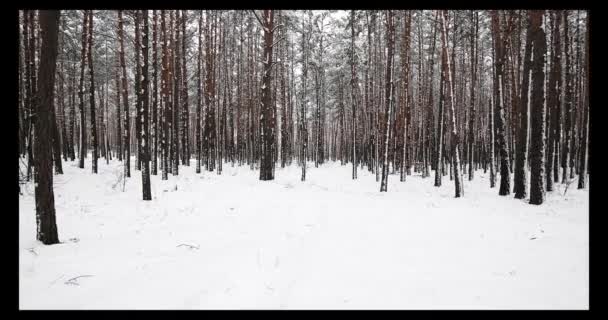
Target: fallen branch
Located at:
point(567, 185)
point(120, 178)
point(73, 281)
point(187, 245)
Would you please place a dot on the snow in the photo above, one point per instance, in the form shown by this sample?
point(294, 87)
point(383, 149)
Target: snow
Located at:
point(231, 241)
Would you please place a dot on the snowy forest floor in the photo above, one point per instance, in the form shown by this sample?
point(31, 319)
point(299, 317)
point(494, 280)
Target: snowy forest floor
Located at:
point(232, 241)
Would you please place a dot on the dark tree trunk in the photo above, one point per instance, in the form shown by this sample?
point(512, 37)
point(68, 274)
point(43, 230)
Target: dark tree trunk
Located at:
point(154, 130)
point(553, 102)
point(567, 100)
point(118, 113)
point(353, 84)
point(45, 199)
point(519, 180)
point(285, 138)
point(455, 154)
point(199, 93)
point(56, 137)
point(537, 114)
point(505, 177)
point(582, 172)
point(304, 102)
point(83, 56)
point(440, 122)
point(388, 95)
point(165, 98)
point(184, 127)
point(125, 98)
point(474, 36)
point(143, 113)
point(405, 75)
point(31, 52)
point(138, 88)
point(267, 118)
point(92, 93)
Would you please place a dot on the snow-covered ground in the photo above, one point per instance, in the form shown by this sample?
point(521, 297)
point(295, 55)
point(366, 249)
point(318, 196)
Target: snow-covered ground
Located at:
point(231, 241)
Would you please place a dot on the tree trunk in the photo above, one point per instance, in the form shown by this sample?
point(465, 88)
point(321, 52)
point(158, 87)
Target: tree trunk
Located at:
point(154, 130)
point(45, 199)
point(405, 75)
point(353, 85)
point(451, 101)
point(267, 118)
point(165, 98)
point(537, 114)
point(92, 93)
point(505, 178)
point(388, 96)
point(582, 172)
point(83, 56)
point(125, 98)
point(519, 180)
point(144, 112)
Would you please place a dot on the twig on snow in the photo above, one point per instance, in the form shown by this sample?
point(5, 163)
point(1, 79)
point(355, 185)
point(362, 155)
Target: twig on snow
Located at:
point(188, 245)
point(73, 281)
point(567, 185)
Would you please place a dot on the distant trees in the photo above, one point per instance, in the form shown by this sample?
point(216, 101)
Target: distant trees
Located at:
point(381, 91)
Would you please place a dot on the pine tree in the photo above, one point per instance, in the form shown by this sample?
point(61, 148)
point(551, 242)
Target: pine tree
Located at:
point(125, 98)
point(165, 97)
point(83, 56)
point(405, 75)
point(45, 198)
point(499, 38)
point(537, 112)
point(267, 116)
point(144, 112)
point(388, 96)
point(455, 153)
point(92, 92)
point(154, 130)
point(519, 180)
point(582, 172)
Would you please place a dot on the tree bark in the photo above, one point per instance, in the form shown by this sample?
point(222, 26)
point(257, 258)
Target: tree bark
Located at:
point(45, 199)
point(505, 178)
point(388, 95)
point(267, 117)
point(537, 115)
point(92, 93)
point(519, 180)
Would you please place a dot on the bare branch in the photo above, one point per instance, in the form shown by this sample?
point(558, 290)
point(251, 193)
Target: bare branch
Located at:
point(259, 20)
